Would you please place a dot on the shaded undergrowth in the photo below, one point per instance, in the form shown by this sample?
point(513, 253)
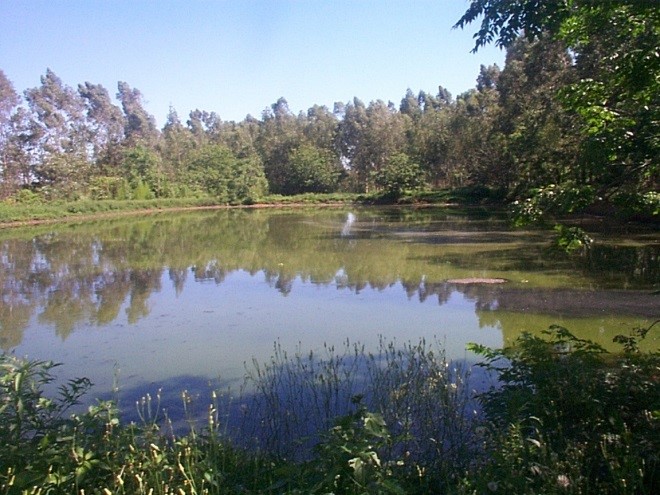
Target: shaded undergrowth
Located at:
point(564, 416)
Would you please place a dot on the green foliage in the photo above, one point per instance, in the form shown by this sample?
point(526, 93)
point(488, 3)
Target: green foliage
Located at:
point(218, 172)
point(642, 206)
point(143, 169)
point(572, 238)
point(569, 417)
point(552, 200)
point(48, 450)
point(348, 456)
point(141, 191)
point(617, 94)
point(613, 84)
point(27, 197)
point(398, 175)
point(44, 446)
point(101, 188)
point(311, 170)
point(566, 417)
point(504, 20)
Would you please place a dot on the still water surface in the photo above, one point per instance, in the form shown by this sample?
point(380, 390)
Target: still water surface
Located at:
point(174, 300)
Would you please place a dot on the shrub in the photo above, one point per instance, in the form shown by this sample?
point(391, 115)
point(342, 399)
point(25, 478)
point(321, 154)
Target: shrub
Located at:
point(398, 175)
point(571, 418)
point(27, 197)
point(567, 417)
point(553, 200)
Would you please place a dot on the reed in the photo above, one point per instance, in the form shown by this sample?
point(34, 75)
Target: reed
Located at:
point(565, 417)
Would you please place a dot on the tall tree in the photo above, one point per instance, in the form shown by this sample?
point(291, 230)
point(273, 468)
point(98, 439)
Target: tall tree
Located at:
point(410, 105)
point(241, 137)
point(540, 135)
point(321, 129)
point(370, 136)
point(353, 128)
point(140, 126)
point(279, 135)
point(106, 124)
point(9, 101)
point(474, 155)
point(58, 119)
point(176, 145)
point(614, 46)
point(429, 141)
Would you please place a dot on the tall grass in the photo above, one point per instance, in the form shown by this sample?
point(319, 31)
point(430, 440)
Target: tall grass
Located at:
point(424, 399)
point(566, 417)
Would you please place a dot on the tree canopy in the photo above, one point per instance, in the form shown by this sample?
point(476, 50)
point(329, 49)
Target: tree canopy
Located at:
point(572, 117)
point(613, 83)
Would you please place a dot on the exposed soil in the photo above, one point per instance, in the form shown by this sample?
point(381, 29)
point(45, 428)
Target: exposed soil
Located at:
point(476, 280)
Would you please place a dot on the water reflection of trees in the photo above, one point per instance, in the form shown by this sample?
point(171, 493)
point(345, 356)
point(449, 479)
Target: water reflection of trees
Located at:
point(89, 273)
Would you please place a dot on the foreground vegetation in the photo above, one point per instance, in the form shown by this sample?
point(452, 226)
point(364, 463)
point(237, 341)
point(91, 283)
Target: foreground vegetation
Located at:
point(564, 417)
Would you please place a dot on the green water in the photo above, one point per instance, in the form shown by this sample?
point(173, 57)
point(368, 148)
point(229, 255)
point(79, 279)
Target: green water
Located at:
point(177, 299)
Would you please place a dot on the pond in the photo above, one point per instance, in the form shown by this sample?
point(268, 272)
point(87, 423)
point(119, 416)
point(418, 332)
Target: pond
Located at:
point(174, 300)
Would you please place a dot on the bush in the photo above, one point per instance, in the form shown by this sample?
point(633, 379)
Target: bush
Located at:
point(571, 418)
point(27, 197)
point(567, 417)
point(552, 200)
point(398, 175)
point(643, 206)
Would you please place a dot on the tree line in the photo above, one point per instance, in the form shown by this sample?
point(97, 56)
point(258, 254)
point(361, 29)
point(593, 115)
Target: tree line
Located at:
point(570, 119)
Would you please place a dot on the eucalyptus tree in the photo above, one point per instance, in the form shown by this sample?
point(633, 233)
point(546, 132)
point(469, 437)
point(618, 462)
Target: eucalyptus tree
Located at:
point(175, 138)
point(140, 125)
point(369, 137)
point(473, 152)
point(386, 134)
point(321, 129)
point(614, 50)
point(105, 126)
point(280, 133)
point(9, 101)
point(410, 105)
point(60, 135)
point(204, 126)
point(352, 140)
point(429, 135)
point(141, 162)
point(175, 147)
point(241, 137)
point(540, 135)
point(442, 99)
point(429, 144)
point(20, 152)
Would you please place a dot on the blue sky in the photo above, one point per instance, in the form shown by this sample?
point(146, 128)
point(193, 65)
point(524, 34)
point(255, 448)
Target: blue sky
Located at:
point(238, 57)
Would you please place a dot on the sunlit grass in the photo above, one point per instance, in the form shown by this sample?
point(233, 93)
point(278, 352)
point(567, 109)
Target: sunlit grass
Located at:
point(37, 209)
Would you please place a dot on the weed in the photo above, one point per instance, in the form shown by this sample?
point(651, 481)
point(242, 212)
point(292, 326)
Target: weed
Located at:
point(567, 417)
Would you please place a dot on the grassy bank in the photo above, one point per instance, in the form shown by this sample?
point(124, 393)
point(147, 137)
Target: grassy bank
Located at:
point(566, 417)
point(31, 209)
point(17, 213)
